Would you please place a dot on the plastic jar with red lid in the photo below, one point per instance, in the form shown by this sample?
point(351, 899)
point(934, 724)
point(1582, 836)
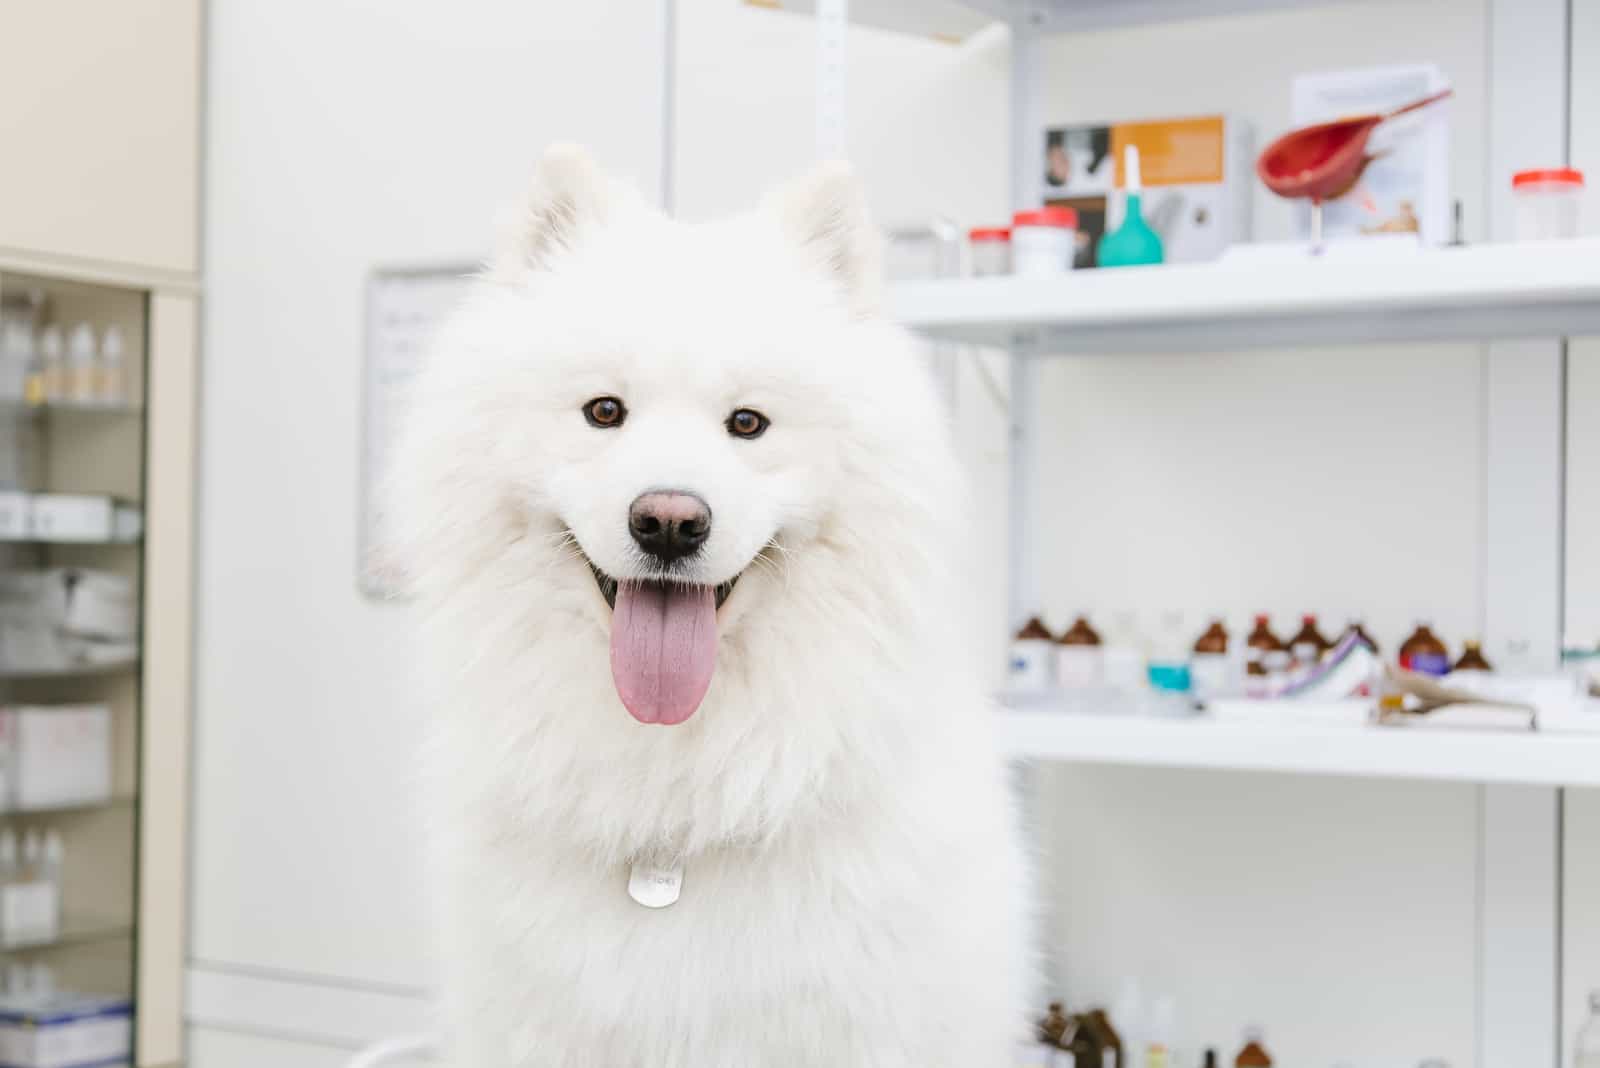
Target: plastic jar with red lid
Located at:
point(1547, 203)
point(1044, 241)
point(991, 250)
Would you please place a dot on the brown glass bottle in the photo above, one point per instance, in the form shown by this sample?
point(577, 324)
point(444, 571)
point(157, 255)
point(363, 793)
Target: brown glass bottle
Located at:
point(1106, 1035)
point(1260, 646)
point(1472, 659)
point(1053, 1026)
point(1080, 633)
point(1214, 640)
point(1308, 645)
point(1031, 667)
point(1208, 667)
point(1034, 630)
point(1424, 653)
point(1355, 627)
point(1254, 1054)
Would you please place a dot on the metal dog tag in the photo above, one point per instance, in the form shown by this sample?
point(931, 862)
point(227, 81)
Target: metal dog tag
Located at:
point(655, 888)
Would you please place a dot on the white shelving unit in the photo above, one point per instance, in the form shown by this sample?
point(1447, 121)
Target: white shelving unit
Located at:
point(1509, 290)
point(1533, 293)
point(1435, 754)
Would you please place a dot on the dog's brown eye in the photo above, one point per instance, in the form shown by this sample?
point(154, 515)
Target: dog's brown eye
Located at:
point(747, 423)
point(605, 412)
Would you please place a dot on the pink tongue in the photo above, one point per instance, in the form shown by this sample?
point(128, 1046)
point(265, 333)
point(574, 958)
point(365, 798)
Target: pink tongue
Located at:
point(663, 649)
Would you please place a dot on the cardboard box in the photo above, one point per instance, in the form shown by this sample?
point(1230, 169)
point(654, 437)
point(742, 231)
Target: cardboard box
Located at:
point(78, 601)
point(54, 755)
point(16, 515)
point(1198, 179)
point(80, 517)
point(65, 1030)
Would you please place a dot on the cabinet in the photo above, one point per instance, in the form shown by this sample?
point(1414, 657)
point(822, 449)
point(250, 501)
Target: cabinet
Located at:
point(94, 626)
point(99, 122)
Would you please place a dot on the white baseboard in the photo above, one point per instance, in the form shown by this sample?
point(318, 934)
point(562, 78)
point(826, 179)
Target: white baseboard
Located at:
point(306, 1008)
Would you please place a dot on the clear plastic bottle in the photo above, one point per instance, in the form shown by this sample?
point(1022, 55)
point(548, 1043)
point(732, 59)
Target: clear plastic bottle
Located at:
point(1122, 659)
point(16, 352)
point(111, 387)
point(1169, 674)
point(1158, 1036)
point(1586, 1051)
point(10, 913)
point(47, 373)
point(55, 857)
point(82, 355)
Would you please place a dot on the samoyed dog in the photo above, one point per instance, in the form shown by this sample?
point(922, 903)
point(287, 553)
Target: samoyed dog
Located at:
point(714, 779)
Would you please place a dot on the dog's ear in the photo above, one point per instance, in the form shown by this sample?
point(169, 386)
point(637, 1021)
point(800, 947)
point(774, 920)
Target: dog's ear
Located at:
point(825, 213)
point(570, 198)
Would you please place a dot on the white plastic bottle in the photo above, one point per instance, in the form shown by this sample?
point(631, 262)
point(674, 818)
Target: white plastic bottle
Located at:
point(112, 385)
point(1158, 1036)
point(55, 856)
point(1128, 1018)
point(1122, 660)
point(82, 352)
point(32, 889)
point(10, 898)
point(1586, 1051)
point(16, 352)
point(1170, 683)
point(50, 366)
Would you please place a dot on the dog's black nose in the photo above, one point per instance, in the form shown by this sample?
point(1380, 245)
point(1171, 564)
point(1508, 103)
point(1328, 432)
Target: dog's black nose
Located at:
point(670, 524)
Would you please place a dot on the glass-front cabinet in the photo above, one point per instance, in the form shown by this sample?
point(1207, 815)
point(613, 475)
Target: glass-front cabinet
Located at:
point(74, 460)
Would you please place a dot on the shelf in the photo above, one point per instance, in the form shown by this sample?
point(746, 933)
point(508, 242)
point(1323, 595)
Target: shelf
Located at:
point(1545, 758)
point(14, 407)
point(1528, 289)
point(110, 804)
point(71, 671)
point(955, 20)
point(75, 931)
point(85, 543)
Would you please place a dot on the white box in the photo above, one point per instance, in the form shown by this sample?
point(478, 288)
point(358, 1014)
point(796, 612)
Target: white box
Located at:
point(65, 1030)
point(54, 755)
point(74, 600)
point(16, 515)
point(83, 517)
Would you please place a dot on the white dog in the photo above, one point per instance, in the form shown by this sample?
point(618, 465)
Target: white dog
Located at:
point(716, 779)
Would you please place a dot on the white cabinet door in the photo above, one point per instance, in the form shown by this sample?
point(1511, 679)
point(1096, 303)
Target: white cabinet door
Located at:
point(99, 128)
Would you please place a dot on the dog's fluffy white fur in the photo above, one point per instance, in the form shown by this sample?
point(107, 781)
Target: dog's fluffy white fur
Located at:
point(853, 890)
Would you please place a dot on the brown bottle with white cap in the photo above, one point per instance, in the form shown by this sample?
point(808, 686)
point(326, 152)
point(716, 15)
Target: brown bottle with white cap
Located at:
point(1308, 645)
point(1031, 665)
point(1264, 653)
point(1472, 659)
point(1208, 667)
point(1079, 656)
